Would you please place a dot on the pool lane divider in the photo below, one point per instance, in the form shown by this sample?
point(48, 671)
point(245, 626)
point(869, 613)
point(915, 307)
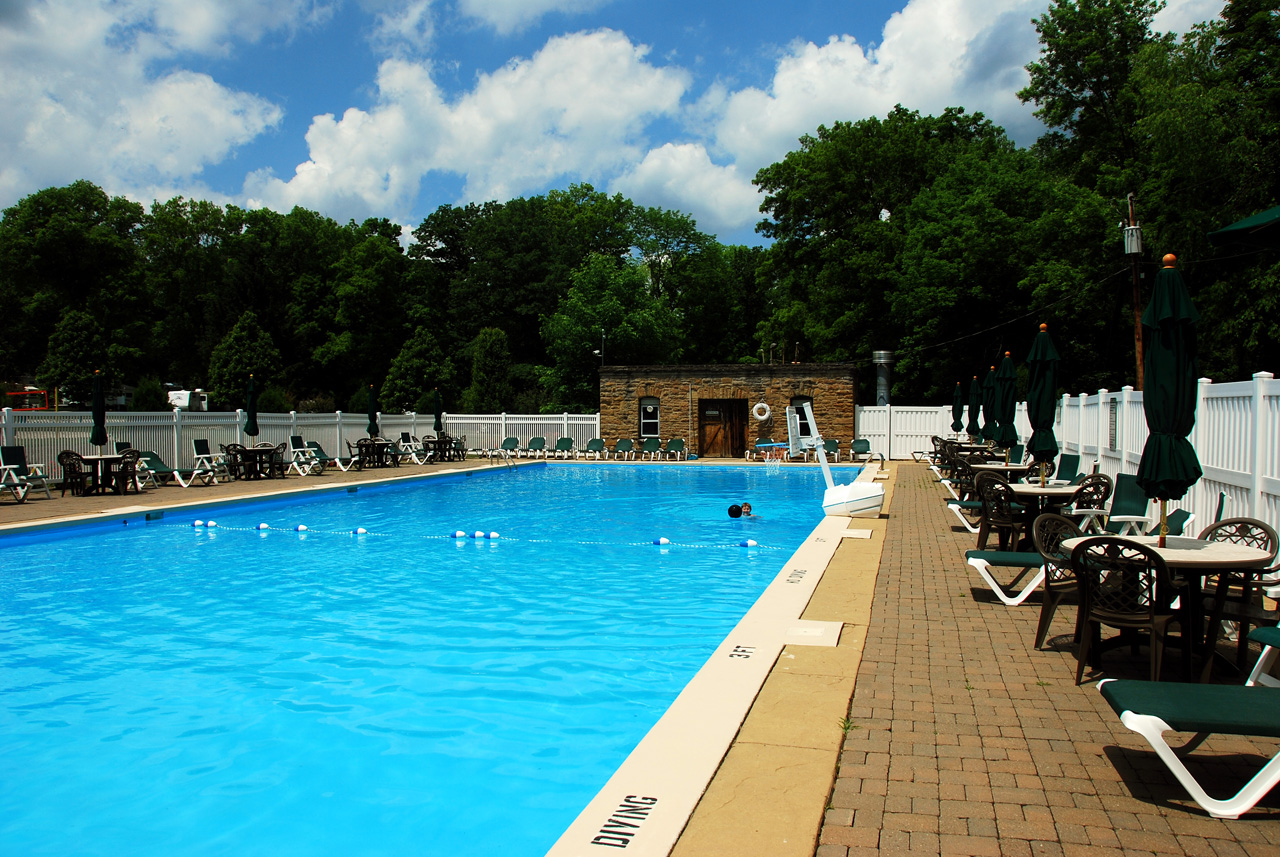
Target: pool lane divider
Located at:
point(644, 806)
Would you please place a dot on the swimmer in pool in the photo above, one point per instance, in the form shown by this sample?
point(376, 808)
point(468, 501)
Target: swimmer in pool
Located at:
point(746, 511)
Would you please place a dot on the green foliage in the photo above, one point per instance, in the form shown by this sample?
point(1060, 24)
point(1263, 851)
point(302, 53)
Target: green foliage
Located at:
point(149, 396)
point(246, 350)
point(75, 351)
point(490, 389)
point(419, 368)
point(274, 400)
point(639, 326)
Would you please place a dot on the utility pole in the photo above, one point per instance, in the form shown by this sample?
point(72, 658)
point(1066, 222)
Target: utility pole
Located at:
point(1133, 248)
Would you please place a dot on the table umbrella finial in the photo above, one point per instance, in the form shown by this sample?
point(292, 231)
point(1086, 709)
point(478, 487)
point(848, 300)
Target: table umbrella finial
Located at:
point(1006, 354)
point(1044, 328)
point(1170, 260)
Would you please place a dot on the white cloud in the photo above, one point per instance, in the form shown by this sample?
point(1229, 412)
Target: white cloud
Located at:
point(79, 98)
point(682, 177)
point(510, 16)
point(401, 27)
point(577, 108)
point(1179, 15)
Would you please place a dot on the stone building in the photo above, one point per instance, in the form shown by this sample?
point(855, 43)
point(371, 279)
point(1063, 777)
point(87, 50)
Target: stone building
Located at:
point(716, 408)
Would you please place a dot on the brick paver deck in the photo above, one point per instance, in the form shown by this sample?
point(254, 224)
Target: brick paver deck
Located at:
point(966, 741)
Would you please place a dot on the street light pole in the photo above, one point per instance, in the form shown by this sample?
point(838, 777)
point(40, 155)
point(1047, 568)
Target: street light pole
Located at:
point(1133, 248)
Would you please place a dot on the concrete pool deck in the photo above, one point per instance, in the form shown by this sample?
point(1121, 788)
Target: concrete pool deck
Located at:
point(931, 727)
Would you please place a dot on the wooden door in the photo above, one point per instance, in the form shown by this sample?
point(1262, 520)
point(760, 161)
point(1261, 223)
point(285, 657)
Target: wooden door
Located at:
point(722, 428)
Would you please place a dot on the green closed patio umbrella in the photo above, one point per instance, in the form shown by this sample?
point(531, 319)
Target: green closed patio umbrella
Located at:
point(1006, 403)
point(957, 409)
point(98, 405)
point(989, 430)
point(1169, 465)
point(975, 406)
point(251, 410)
point(437, 408)
point(1042, 398)
point(372, 428)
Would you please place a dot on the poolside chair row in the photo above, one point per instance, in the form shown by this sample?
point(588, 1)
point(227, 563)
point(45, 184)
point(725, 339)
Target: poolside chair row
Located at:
point(1126, 584)
point(625, 449)
point(859, 449)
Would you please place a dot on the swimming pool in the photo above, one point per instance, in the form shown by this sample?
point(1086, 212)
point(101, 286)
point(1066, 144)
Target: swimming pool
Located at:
point(172, 689)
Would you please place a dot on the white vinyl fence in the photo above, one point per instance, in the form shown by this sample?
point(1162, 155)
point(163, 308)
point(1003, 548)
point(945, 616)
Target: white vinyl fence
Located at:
point(1236, 437)
point(169, 433)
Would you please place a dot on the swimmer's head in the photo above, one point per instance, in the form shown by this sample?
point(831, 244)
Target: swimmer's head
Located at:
point(735, 511)
point(746, 508)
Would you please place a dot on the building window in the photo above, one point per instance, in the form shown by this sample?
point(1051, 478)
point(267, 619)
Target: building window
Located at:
point(796, 401)
point(649, 417)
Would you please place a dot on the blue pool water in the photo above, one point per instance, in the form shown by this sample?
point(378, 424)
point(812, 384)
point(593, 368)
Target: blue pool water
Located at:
point(166, 689)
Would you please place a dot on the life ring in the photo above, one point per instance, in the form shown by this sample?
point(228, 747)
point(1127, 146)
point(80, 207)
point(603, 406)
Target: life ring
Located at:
point(761, 411)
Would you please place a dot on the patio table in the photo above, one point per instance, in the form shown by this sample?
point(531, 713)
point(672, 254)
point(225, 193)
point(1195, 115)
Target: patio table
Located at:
point(1191, 559)
point(104, 472)
point(1043, 499)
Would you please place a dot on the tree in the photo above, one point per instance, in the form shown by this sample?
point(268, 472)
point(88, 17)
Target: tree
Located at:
point(149, 396)
point(419, 367)
point(1081, 83)
point(75, 351)
point(246, 350)
point(639, 326)
point(490, 389)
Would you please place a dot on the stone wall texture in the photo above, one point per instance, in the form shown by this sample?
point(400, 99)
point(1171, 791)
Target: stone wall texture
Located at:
point(833, 387)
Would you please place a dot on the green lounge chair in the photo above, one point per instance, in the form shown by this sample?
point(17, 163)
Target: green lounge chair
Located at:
point(152, 469)
point(1068, 469)
point(508, 448)
point(537, 448)
point(19, 477)
point(625, 449)
point(325, 459)
point(564, 448)
point(652, 447)
point(302, 458)
point(595, 447)
point(675, 449)
point(983, 561)
point(862, 446)
point(762, 447)
point(1152, 708)
point(1128, 513)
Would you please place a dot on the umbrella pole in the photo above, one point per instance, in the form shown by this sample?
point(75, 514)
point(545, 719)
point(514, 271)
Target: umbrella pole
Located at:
point(1042, 480)
point(1164, 521)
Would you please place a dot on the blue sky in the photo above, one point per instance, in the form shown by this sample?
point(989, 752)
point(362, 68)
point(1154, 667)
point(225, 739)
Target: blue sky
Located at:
point(390, 108)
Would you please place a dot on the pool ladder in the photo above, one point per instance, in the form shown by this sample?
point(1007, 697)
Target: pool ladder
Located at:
point(504, 455)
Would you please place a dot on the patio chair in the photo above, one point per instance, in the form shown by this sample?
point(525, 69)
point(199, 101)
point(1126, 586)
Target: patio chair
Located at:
point(509, 447)
point(75, 473)
point(158, 473)
point(1049, 531)
point(537, 448)
point(1179, 521)
point(983, 561)
point(212, 463)
point(831, 447)
point(18, 473)
point(302, 459)
point(1000, 512)
point(1128, 514)
point(595, 447)
point(235, 465)
point(1090, 504)
point(625, 449)
point(1127, 586)
point(413, 449)
point(675, 449)
point(1237, 597)
point(122, 445)
point(761, 448)
point(1151, 709)
point(1269, 639)
point(1068, 469)
point(652, 448)
point(127, 472)
point(325, 459)
point(563, 448)
point(862, 447)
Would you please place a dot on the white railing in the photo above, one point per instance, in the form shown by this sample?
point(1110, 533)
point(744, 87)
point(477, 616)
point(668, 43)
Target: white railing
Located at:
point(1236, 437)
point(169, 433)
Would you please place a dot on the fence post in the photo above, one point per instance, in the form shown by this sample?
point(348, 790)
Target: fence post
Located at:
point(293, 423)
point(8, 427)
point(1103, 424)
point(1122, 425)
point(337, 433)
point(502, 424)
point(176, 457)
point(1260, 430)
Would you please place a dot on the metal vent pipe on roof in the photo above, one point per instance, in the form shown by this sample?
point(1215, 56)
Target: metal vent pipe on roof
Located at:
point(884, 366)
